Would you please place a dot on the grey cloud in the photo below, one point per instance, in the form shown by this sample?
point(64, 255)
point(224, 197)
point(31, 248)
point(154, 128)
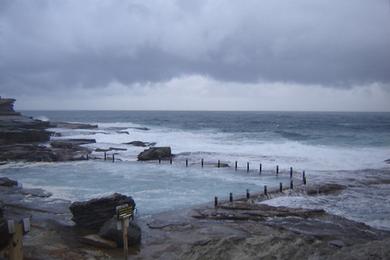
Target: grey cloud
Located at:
point(48, 44)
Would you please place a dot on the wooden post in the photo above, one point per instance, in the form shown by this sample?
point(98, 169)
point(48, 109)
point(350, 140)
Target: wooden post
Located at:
point(186, 162)
point(201, 162)
point(113, 157)
point(219, 164)
point(247, 167)
point(16, 246)
point(291, 185)
point(170, 160)
point(291, 172)
point(231, 197)
point(265, 190)
point(215, 202)
point(247, 194)
point(105, 155)
point(277, 169)
point(125, 224)
point(235, 165)
point(280, 187)
point(261, 168)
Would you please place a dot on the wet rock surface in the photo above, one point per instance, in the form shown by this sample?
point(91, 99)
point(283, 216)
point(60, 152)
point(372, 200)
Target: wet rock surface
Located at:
point(155, 153)
point(109, 231)
point(141, 144)
point(25, 139)
point(92, 214)
point(68, 125)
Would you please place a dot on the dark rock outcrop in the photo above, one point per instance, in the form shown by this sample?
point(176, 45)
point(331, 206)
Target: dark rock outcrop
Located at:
point(4, 181)
point(387, 161)
point(327, 188)
point(71, 143)
point(141, 144)
point(92, 214)
point(4, 236)
point(68, 125)
point(155, 153)
point(109, 231)
point(27, 152)
point(7, 107)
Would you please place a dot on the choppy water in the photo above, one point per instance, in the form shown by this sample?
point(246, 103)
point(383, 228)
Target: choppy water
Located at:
point(342, 147)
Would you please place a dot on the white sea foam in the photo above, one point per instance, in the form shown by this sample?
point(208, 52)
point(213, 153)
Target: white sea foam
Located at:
point(213, 146)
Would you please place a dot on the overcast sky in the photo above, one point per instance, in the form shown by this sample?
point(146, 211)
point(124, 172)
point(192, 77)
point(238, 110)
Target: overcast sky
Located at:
point(196, 55)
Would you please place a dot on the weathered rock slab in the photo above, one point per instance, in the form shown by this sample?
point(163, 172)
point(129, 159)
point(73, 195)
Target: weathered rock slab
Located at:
point(92, 214)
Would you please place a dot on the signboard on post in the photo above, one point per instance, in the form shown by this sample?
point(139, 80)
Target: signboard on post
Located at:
point(124, 213)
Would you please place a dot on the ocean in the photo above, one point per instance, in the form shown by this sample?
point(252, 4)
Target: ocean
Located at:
point(344, 148)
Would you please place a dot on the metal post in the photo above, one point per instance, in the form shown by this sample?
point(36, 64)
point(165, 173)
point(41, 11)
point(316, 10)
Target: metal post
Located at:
point(247, 167)
point(304, 177)
point(186, 162)
point(280, 187)
point(159, 161)
point(247, 194)
point(87, 157)
point(291, 172)
point(113, 157)
point(215, 202)
point(201, 162)
point(277, 169)
point(291, 185)
point(265, 190)
point(170, 160)
point(219, 164)
point(105, 155)
point(261, 168)
point(231, 197)
point(235, 165)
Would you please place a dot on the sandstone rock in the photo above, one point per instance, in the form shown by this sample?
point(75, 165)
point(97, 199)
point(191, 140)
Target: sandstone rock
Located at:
point(68, 125)
point(336, 243)
point(109, 231)
point(27, 152)
point(326, 188)
point(97, 241)
point(7, 106)
point(155, 153)
point(71, 143)
point(140, 143)
point(92, 214)
point(4, 181)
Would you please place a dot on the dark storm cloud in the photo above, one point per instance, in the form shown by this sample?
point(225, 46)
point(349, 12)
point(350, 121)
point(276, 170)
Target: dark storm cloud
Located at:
point(47, 44)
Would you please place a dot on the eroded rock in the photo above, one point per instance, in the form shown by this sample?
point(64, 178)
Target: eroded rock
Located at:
point(155, 153)
point(109, 231)
point(92, 214)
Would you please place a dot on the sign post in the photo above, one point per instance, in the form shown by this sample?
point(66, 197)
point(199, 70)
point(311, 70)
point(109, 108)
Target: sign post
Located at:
point(123, 213)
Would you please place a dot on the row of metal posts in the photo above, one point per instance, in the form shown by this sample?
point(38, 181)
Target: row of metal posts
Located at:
point(265, 190)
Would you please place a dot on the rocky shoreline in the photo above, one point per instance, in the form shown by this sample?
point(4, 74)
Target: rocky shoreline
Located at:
point(244, 229)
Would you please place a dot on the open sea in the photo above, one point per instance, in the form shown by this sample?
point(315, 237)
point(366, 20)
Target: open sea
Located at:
point(345, 148)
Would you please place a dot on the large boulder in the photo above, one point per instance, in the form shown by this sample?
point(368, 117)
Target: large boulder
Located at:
point(109, 231)
point(92, 214)
point(155, 153)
